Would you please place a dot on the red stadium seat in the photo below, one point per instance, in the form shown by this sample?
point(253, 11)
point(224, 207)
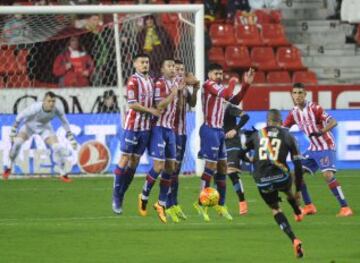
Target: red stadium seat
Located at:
point(229, 75)
point(237, 57)
point(19, 81)
point(222, 34)
point(262, 17)
point(307, 77)
point(248, 35)
point(357, 35)
point(263, 58)
point(275, 77)
point(216, 55)
point(274, 35)
point(289, 58)
point(259, 77)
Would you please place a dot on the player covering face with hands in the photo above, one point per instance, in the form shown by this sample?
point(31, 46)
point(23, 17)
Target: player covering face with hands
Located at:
point(36, 119)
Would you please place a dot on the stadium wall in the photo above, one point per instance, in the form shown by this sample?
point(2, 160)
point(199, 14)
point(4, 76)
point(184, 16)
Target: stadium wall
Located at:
point(35, 157)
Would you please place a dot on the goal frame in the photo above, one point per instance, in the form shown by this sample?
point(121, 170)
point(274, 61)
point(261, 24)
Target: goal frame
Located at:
point(196, 9)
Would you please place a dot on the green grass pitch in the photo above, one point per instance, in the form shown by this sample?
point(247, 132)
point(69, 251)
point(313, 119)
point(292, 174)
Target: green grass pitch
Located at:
point(44, 220)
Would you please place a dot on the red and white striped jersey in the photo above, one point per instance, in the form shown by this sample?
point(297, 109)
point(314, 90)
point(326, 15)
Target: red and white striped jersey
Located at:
point(312, 118)
point(213, 100)
point(163, 88)
point(139, 90)
point(180, 114)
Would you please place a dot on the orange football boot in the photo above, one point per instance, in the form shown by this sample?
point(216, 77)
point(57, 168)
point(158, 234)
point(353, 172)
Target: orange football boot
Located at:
point(345, 211)
point(298, 250)
point(243, 208)
point(309, 209)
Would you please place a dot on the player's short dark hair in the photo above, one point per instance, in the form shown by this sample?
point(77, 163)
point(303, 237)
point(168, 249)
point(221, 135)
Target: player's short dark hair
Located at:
point(214, 66)
point(50, 94)
point(178, 61)
point(298, 85)
point(274, 115)
point(166, 59)
point(141, 55)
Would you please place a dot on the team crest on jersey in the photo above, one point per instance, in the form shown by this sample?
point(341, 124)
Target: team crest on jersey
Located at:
point(131, 94)
point(157, 92)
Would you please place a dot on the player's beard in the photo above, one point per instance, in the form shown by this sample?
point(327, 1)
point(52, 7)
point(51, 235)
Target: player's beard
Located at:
point(145, 72)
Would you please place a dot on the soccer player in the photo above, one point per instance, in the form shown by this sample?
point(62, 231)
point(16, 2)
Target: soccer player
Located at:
point(140, 96)
point(212, 136)
point(36, 119)
point(316, 124)
point(271, 174)
point(186, 98)
point(233, 148)
point(162, 146)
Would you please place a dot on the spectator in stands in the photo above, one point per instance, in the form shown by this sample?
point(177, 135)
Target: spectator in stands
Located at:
point(260, 4)
point(234, 5)
point(74, 66)
point(108, 103)
point(334, 7)
point(156, 42)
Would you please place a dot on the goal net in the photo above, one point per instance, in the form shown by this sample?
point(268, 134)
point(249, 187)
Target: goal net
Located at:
point(85, 57)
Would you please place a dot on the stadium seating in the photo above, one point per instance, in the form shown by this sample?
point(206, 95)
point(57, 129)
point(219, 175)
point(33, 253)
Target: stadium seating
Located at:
point(274, 35)
point(222, 34)
point(248, 35)
point(278, 77)
point(307, 77)
point(259, 77)
point(289, 58)
point(263, 58)
point(237, 57)
point(216, 55)
point(19, 81)
point(229, 75)
point(357, 35)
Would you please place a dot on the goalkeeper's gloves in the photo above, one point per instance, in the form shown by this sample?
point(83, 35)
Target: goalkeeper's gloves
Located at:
point(13, 132)
point(72, 140)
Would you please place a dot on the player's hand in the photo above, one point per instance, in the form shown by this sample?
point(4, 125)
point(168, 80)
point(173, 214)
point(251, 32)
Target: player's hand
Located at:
point(230, 134)
point(72, 140)
point(315, 134)
point(155, 112)
point(13, 133)
point(68, 66)
point(86, 73)
point(249, 76)
point(234, 79)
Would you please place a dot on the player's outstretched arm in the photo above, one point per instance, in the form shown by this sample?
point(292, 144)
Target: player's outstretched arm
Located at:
point(248, 80)
point(138, 107)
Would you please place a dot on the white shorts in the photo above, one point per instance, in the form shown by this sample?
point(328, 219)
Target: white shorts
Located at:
point(44, 132)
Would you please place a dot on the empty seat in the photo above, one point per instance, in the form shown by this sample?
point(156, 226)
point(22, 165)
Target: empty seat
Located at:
point(216, 55)
point(307, 77)
point(237, 57)
point(274, 35)
point(248, 35)
point(19, 81)
point(229, 75)
point(259, 77)
point(222, 34)
point(263, 58)
point(289, 58)
point(280, 77)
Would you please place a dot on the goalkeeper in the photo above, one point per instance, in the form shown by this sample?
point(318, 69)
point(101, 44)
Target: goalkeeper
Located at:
point(35, 119)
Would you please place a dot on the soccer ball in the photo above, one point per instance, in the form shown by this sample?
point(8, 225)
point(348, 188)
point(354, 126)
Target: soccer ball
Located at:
point(209, 196)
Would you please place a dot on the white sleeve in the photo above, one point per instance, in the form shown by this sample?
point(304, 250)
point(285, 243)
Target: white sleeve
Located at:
point(27, 113)
point(63, 119)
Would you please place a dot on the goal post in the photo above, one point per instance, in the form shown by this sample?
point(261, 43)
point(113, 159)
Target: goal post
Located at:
point(123, 25)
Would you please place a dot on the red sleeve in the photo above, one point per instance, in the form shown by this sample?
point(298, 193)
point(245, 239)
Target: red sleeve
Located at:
point(320, 114)
point(132, 90)
point(240, 95)
point(220, 90)
point(59, 69)
point(289, 121)
point(160, 91)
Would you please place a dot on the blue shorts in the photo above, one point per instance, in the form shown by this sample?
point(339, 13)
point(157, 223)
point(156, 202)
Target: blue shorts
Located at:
point(180, 147)
point(162, 144)
point(323, 160)
point(212, 144)
point(134, 142)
